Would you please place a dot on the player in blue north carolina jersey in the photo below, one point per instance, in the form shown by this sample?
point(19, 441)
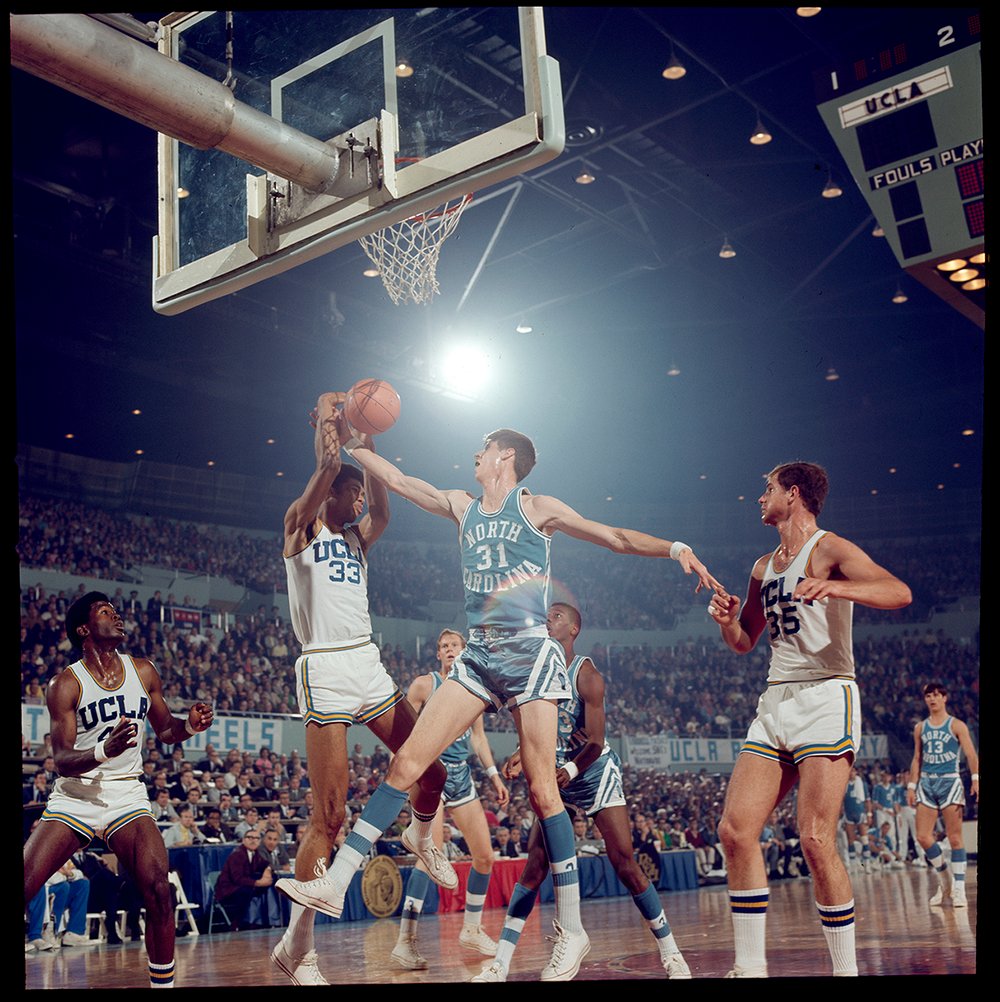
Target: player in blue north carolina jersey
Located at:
point(936, 788)
point(461, 798)
point(590, 779)
point(808, 722)
point(97, 706)
point(509, 660)
point(339, 675)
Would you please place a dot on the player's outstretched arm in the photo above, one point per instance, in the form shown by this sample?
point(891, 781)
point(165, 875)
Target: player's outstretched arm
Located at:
point(844, 570)
point(448, 504)
point(549, 515)
point(326, 442)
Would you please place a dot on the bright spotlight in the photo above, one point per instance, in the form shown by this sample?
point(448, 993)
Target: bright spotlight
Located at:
point(465, 370)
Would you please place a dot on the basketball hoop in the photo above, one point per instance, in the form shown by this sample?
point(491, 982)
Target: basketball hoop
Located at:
point(406, 253)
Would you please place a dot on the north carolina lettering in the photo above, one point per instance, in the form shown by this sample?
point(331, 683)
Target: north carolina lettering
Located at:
point(486, 583)
point(497, 529)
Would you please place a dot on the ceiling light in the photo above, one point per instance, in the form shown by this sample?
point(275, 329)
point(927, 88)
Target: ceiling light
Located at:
point(831, 189)
point(403, 69)
point(585, 177)
point(899, 297)
point(831, 375)
point(524, 327)
point(963, 274)
point(968, 432)
point(136, 412)
point(979, 258)
point(953, 265)
point(807, 11)
point(673, 370)
point(370, 273)
point(674, 69)
point(878, 232)
point(760, 136)
point(727, 249)
point(182, 192)
point(974, 285)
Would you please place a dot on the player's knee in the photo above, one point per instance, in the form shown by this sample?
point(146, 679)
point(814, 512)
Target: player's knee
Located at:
point(433, 778)
point(731, 835)
point(157, 897)
point(818, 846)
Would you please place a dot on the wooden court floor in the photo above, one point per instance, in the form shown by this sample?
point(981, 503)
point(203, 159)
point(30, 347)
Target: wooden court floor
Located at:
point(898, 935)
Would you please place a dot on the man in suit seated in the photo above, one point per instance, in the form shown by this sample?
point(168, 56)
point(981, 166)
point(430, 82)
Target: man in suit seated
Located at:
point(245, 875)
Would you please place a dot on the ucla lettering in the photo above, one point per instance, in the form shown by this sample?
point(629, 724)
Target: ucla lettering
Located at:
point(109, 710)
point(893, 98)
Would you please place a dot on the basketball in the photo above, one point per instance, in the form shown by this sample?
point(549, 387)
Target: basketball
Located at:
point(372, 406)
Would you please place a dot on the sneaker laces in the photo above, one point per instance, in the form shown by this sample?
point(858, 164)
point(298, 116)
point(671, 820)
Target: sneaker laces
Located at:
point(560, 941)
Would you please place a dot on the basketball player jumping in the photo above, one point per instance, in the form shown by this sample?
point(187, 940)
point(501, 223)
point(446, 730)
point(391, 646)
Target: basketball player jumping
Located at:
point(808, 723)
point(937, 742)
point(97, 706)
point(339, 675)
point(510, 660)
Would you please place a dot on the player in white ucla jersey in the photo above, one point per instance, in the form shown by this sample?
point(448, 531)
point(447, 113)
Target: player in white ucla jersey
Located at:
point(936, 788)
point(97, 706)
point(590, 779)
point(339, 674)
point(461, 799)
point(509, 659)
point(808, 722)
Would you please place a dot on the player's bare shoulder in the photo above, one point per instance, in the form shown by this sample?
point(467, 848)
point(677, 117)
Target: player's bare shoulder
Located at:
point(63, 690)
point(420, 690)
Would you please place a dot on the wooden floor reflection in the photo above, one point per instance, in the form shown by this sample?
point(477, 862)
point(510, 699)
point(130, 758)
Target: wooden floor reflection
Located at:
point(898, 934)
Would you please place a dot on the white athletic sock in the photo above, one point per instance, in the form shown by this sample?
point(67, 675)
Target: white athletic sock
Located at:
point(838, 927)
point(749, 909)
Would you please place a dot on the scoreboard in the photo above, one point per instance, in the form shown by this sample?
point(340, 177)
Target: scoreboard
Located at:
point(908, 121)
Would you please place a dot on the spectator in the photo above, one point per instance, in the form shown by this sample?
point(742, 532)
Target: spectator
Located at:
point(245, 875)
point(183, 832)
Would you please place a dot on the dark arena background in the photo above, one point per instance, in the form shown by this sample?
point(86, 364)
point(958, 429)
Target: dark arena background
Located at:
point(724, 269)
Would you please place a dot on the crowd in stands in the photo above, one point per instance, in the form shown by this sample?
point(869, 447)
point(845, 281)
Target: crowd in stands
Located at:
point(616, 593)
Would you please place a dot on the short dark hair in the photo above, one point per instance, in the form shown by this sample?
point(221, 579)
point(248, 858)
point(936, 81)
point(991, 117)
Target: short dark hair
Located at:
point(810, 478)
point(347, 473)
point(574, 613)
point(79, 615)
point(935, 687)
point(524, 449)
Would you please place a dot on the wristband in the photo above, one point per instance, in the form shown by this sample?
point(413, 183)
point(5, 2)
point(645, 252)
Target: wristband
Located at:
point(492, 771)
point(911, 786)
point(572, 770)
point(100, 754)
point(351, 444)
point(975, 777)
point(189, 728)
point(677, 548)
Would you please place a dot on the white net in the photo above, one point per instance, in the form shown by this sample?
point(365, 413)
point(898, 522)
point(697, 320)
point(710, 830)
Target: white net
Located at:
point(406, 254)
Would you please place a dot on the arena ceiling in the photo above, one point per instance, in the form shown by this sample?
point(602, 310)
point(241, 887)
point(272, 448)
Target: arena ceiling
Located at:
point(620, 280)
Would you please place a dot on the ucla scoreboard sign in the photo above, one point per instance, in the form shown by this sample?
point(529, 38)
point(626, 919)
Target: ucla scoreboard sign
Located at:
point(908, 121)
